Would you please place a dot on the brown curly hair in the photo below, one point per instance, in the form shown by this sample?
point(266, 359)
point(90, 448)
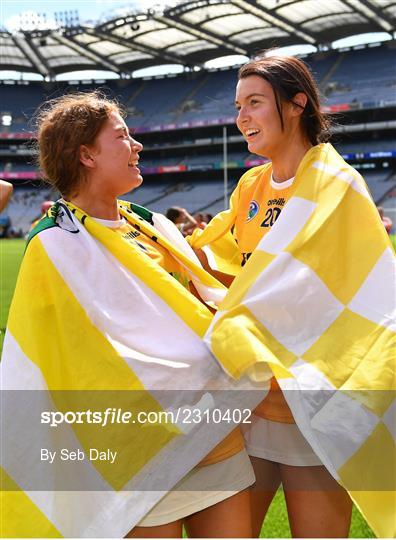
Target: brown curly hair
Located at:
point(63, 125)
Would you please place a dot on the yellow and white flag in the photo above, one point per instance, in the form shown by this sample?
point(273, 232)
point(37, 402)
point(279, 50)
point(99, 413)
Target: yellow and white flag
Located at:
point(97, 331)
point(317, 301)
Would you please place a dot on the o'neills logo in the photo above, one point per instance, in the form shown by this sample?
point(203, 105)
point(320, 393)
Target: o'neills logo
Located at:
point(254, 207)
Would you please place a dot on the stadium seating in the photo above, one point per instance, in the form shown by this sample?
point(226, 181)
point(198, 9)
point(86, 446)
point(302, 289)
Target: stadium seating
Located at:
point(147, 194)
point(372, 145)
point(321, 63)
point(194, 197)
point(21, 100)
point(200, 98)
point(345, 77)
point(352, 81)
point(379, 183)
point(204, 195)
point(25, 206)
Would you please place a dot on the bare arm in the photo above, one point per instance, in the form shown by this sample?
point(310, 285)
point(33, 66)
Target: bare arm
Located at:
point(6, 190)
point(190, 223)
point(225, 279)
point(188, 217)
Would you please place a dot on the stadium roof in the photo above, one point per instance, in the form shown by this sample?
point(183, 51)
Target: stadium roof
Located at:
point(190, 33)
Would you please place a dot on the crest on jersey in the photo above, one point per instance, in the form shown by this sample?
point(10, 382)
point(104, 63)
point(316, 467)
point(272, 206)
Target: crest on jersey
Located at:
point(253, 210)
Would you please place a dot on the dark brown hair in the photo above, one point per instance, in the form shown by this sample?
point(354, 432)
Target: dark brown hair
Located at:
point(63, 125)
point(288, 76)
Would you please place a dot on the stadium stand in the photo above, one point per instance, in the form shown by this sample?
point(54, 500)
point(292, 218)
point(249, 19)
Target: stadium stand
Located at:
point(195, 197)
point(24, 208)
point(379, 183)
point(352, 81)
point(214, 94)
point(389, 204)
point(148, 194)
point(345, 77)
point(180, 118)
point(372, 145)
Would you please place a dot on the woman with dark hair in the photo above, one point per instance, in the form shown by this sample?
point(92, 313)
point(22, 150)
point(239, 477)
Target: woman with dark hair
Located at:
point(280, 118)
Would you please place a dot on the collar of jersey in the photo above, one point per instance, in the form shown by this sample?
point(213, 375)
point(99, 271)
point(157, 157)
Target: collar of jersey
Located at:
point(281, 185)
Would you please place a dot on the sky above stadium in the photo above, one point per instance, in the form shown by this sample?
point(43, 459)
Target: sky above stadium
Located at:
point(15, 14)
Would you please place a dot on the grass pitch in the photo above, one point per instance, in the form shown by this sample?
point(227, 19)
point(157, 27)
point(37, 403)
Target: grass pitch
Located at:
point(276, 523)
point(11, 252)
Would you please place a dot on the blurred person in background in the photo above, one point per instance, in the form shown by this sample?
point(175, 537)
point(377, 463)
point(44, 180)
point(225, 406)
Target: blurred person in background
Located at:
point(6, 190)
point(184, 221)
point(5, 225)
point(386, 221)
point(45, 206)
point(202, 219)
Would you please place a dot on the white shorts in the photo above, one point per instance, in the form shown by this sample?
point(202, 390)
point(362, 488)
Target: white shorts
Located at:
point(279, 442)
point(202, 487)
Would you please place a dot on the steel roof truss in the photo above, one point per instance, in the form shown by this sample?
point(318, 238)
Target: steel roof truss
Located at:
point(27, 46)
point(100, 60)
point(201, 34)
point(276, 20)
point(372, 13)
point(167, 57)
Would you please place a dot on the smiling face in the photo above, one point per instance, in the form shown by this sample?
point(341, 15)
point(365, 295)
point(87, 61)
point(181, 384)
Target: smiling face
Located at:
point(258, 117)
point(111, 162)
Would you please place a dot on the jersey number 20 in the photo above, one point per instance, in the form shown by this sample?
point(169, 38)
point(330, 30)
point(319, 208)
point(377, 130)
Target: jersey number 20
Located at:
point(271, 216)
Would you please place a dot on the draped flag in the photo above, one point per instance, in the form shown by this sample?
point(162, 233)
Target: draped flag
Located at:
point(96, 327)
point(316, 301)
point(223, 255)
